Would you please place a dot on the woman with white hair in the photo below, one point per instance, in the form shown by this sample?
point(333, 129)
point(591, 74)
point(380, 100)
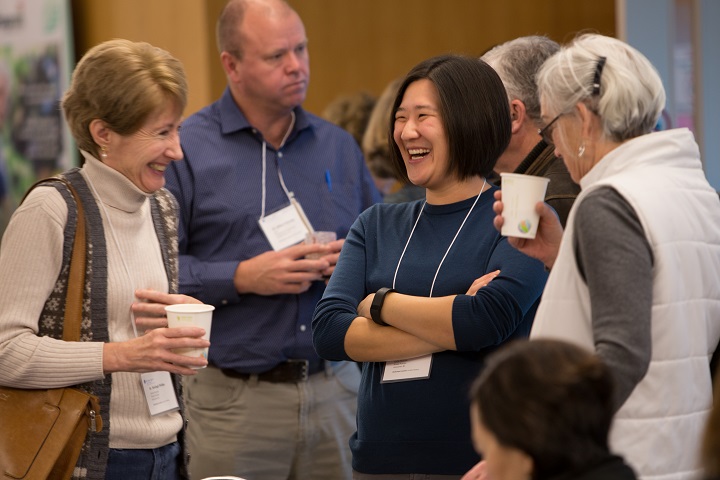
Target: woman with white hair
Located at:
point(634, 274)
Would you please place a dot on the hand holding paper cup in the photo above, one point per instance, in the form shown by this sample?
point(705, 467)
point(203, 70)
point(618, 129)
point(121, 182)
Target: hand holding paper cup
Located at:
point(520, 194)
point(321, 238)
point(191, 315)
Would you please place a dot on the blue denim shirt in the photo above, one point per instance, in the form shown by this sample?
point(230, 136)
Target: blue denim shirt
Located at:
point(218, 186)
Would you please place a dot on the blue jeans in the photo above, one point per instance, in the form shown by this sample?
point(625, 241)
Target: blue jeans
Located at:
point(144, 464)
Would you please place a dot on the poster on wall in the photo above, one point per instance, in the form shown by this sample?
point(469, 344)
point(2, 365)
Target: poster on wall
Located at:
point(35, 67)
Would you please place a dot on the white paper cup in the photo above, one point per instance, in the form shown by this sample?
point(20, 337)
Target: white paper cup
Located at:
point(321, 238)
point(520, 194)
point(191, 315)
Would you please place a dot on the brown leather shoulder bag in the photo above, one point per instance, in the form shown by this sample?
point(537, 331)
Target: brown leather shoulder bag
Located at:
point(42, 431)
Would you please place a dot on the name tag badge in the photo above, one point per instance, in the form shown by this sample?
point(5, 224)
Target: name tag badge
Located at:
point(405, 370)
point(284, 228)
point(159, 392)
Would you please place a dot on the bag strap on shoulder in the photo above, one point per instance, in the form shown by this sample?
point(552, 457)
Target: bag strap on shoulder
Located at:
point(76, 280)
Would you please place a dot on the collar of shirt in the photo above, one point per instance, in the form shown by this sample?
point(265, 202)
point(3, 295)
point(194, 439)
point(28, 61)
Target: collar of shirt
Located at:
point(232, 118)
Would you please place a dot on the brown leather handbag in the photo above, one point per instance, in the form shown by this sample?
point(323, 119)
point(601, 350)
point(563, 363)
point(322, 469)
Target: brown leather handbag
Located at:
point(42, 431)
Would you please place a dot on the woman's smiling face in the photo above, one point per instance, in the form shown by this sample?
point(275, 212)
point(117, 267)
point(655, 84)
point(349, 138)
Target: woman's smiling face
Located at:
point(420, 135)
point(144, 155)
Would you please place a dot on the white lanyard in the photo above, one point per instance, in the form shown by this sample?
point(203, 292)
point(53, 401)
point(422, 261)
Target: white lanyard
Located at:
point(289, 194)
point(449, 247)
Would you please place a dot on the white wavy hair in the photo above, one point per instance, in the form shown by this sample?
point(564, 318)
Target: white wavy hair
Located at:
point(631, 95)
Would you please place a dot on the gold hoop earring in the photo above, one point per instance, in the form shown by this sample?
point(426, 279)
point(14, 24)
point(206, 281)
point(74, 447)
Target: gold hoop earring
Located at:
point(103, 152)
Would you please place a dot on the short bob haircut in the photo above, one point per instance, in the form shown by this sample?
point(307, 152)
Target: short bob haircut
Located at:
point(474, 112)
point(121, 83)
point(549, 399)
point(631, 95)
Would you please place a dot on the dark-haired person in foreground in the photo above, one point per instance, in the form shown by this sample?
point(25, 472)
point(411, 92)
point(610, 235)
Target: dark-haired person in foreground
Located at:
point(542, 410)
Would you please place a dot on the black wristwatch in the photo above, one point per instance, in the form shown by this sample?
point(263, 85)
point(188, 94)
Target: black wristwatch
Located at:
point(377, 304)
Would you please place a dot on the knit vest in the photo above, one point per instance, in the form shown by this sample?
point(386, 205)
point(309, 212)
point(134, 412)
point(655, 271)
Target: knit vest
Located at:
point(658, 429)
point(94, 327)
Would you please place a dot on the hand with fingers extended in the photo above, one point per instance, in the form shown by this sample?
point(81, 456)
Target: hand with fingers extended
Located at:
point(481, 282)
point(546, 243)
point(154, 352)
point(284, 271)
point(149, 311)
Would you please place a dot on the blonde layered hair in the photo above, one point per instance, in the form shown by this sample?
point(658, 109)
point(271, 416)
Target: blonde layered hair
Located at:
point(121, 83)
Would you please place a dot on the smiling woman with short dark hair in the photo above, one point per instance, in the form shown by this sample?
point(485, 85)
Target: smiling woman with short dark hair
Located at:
point(401, 298)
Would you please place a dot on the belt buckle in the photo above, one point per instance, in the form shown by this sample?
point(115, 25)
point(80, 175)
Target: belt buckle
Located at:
point(303, 366)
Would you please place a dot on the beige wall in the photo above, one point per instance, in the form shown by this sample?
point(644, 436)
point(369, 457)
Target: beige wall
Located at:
point(354, 44)
point(183, 27)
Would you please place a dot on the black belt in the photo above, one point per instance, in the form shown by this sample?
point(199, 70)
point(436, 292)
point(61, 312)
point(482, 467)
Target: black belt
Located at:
point(291, 371)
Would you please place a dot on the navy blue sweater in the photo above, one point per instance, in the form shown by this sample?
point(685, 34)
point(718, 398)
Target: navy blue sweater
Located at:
point(423, 426)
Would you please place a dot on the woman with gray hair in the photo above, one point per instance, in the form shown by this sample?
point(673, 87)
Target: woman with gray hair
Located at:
point(634, 274)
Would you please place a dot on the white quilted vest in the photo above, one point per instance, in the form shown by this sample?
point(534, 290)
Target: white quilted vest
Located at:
point(659, 428)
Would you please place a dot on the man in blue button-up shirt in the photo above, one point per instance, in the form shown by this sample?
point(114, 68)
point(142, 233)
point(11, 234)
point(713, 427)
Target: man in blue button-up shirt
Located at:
point(267, 407)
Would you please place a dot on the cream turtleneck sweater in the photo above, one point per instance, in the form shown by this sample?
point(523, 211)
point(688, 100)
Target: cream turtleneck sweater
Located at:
point(30, 261)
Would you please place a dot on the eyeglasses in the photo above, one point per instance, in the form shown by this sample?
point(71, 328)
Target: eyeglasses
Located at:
point(546, 131)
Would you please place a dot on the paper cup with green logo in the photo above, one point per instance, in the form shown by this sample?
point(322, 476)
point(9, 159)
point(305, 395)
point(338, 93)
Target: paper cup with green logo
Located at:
point(191, 315)
point(520, 194)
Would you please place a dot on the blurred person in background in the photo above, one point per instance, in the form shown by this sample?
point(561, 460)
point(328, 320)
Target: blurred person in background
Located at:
point(4, 177)
point(351, 113)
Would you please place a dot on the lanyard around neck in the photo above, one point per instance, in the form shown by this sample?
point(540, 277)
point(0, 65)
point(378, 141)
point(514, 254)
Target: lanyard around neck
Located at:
point(432, 287)
point(264, 168)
